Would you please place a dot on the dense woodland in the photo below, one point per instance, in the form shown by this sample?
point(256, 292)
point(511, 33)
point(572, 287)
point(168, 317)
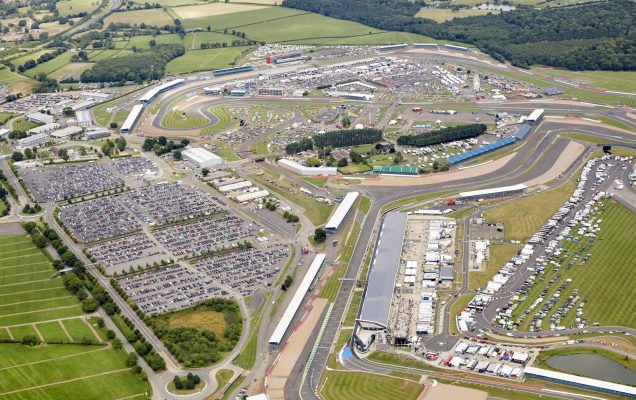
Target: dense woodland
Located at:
point(136, 67)
point(442, 135)
point(586, 37)
point(347, 137)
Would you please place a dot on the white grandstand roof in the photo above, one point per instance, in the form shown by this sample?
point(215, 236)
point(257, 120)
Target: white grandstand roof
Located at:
point(580, 380)
point(484, 192)
point(342, 211)
point(149, 95)
point(291, 310)
point(535, 115)
point(132, 117)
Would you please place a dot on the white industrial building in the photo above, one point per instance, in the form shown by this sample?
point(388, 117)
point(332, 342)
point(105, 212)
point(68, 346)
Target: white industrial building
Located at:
point(341, 212)
point(40, 118)
point(252, 196)
point(32, 141)
point(294, 304)
point(46, 128)
point(4, 133)
point(132, 117)
point(67, 132)
point(201, 158)
point(235, 186)
point(306, 171)
point(96, 133)
point(493, 192)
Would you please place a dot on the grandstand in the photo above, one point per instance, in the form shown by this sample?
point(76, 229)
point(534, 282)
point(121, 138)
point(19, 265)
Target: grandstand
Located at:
point(521, 134)
point(230, 71)
point(395, 170)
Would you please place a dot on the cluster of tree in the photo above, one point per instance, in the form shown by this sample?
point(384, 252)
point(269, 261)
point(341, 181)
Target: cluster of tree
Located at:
point(186, 383)
point(302, 145)
point(3, 198)
point(161, 145)
point(442, 135)
point(287, 283)
point(30, 153)
point(45, 84)
point(345, 138)
point(43, 236)
point(138, 67)
point(42, 59)
point(31, 209)
point(270, 205)
point(12, 97)
point(597, 35)
point(108, 148)
point(290, 217)
point(320, 235)
point(196, 347)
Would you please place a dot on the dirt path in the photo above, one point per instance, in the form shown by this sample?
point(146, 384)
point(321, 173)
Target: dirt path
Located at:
point(99, 339)
point(29, 291)
point(37, 331)
point(68, 335)
point(570, 154)
point(24, 283)
point(25, 265)
point(35, 301)
point(26, 273)
point(9, 333)
point(66, 381)
point(46, 309)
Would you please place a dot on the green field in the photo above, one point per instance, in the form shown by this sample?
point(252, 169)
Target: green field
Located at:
point(22, 124)
point(522, 218)
point(204, 60)
point(279, 24)
point(610, 301)
point(8, 77)
point(67, 7)
point(53, 65)
point(500, 254)
point(225, 120)
point(66, 372)
point(176, 120)
point(29, 56)
point(154, 16)
point(362, 386)
point(621, 81)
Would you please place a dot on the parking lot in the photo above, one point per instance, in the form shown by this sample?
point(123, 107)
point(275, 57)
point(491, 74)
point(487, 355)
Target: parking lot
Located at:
point(139, 168)
point(244, 270)
point(169, 203)
point(169, 289)
point(98, 219)
point(126, 252)
point(191, 239)
point(68, 181)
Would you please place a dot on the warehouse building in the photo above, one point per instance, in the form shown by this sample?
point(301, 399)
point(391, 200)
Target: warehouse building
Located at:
point(33, 141)
point(40, 118)
point(69, 131)
point(47, 128)
point(581, 382)
point(201, 158)
point(493, 192)
point(132, 117)
point(306, 171)
point(96, 133)
point(376, 305)
point(341, 212)
point(294, 304)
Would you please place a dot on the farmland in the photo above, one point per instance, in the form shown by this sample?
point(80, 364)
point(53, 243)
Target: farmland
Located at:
point(154, 16)
point(73, 361)
point(67, 7)
point(203, 60)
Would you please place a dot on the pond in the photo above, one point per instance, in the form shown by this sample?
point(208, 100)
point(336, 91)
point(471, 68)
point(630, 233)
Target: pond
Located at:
point(593, 366)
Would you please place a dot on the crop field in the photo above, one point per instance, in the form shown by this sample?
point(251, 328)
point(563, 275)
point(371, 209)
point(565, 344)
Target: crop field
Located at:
point(212, 9)
point(155, 16)
point(358, 385)
point(66, 372)
point(67, 7)
point(50, 66)
point(203, 60)
point(606, 281)
point(177, 120)
point(535, 211)
point(446, 14)
point(622, 81)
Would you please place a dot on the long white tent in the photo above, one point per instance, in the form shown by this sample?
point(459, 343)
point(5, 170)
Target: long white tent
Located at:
point(132, 118)
point(341, 212)
point(291, 310)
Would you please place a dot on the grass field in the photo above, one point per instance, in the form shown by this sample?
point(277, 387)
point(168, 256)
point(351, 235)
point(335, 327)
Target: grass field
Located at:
point(362, 386)
point(176, 120)
point(364, 204)
point(50, 66)
point(8, 77)
point(204, 60)
point(212, 9)
point(67, 7)
point(622, 81)
point(523, 217)
point(22, 124)
point(500, 254)
point(155, 16)
point(199, 319)
point(446, 14)
point(225, 151)
point(610, 301)
point(247, 357)
point(222, 378)
point(66, 372)
point(458, 306)
point(225, 120)
point(29, 56)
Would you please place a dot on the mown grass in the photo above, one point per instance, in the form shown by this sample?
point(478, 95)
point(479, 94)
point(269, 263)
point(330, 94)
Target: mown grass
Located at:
point(176, 120)
point(362, 386)
point(364, 204)
point(500, 254)
point(205, 60)
point(523, 217)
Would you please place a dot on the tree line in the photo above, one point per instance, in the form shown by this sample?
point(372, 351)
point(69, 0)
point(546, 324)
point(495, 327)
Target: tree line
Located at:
point(594, 36)
point(341, 138)
point(142, 66)
point(442, 135)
